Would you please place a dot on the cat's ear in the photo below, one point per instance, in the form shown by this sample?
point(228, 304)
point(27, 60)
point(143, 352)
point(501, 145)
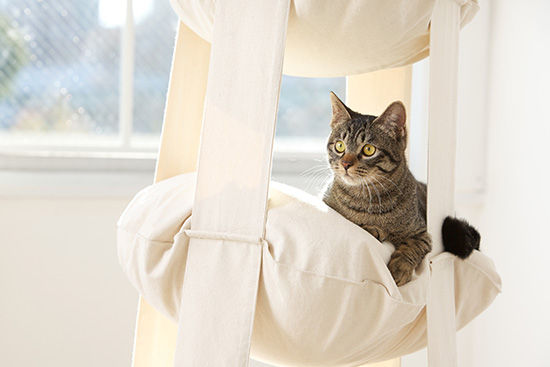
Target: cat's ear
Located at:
point(340, 112)
point(393, 120)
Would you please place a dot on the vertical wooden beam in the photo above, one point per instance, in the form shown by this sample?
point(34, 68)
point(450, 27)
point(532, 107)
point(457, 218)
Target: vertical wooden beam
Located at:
point(371, 93)
point(179, 147)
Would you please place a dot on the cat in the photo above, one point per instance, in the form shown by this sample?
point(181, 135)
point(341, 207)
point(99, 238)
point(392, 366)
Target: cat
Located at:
point(373, 187)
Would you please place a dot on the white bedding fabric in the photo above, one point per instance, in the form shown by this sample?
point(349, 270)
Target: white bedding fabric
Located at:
point(325, 296)
point(328, 38)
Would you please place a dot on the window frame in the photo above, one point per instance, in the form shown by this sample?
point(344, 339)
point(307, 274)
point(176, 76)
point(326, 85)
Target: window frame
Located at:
point(84, 152)
point(119, 152)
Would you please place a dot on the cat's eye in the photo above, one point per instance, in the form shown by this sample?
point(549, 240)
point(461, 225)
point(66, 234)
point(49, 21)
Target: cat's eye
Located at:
point(369, 150)
point(339, 146)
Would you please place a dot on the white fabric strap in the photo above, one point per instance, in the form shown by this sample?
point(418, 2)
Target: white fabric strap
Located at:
point(222, 271)
point(445, 27)
point(155, 339)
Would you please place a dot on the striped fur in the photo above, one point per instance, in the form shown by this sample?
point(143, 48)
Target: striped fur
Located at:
point(378, 193)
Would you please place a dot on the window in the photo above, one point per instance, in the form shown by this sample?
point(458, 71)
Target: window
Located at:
point(89, 79)
point(64, 67)
point(304, 108)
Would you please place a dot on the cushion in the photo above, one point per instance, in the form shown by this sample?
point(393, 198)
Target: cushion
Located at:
point(339, 38)
point(325, 296)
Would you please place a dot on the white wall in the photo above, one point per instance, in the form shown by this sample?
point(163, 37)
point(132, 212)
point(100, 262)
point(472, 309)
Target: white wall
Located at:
point(516, 214)
point(63, 299)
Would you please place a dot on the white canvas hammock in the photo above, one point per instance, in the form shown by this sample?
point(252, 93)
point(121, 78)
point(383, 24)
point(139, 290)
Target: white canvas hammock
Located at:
point(287, 280)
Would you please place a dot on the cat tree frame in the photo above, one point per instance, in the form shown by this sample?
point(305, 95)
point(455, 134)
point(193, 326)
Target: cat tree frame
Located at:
point(237, 80)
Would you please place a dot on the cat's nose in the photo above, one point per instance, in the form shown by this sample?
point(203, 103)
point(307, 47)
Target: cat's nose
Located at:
point(347, 164)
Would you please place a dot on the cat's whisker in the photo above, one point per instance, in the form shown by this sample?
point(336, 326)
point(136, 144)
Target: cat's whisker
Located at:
point(379, 198)
point(321, 182)
point(316, 177)
point(315, 170)
point(365, 183)
point(314, 174)
point(317, 182)
point(362, 189)
point(384, 187)
point(392, 182)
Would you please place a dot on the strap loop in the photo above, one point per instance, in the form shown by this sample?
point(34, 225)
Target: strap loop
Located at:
point(211, 235)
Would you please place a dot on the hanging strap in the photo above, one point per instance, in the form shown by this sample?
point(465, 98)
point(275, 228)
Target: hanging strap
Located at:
point(225, 249)
point(155, 337)
point(445, 27)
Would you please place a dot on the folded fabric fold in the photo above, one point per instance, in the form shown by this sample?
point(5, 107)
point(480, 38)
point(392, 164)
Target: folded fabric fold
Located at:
point(325, 295)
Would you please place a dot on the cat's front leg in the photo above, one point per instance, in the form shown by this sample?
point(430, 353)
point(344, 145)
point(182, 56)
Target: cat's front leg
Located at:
point(408, 255)
point(377, 232)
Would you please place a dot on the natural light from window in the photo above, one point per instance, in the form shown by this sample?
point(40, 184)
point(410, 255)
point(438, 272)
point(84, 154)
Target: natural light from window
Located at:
point(112, 13)
point(63, 85)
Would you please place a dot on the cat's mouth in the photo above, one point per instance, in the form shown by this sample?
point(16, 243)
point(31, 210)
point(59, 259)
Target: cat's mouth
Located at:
point(350, 178)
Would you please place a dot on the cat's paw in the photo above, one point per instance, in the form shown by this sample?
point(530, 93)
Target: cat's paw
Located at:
point(401, 270)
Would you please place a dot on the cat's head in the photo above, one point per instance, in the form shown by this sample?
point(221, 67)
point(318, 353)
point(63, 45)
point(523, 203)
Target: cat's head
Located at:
point(363, 148)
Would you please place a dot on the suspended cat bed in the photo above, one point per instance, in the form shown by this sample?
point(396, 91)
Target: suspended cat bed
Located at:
point(248, 268)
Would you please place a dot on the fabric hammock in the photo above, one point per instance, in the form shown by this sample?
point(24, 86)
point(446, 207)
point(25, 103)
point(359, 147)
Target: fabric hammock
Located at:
point(244, 275)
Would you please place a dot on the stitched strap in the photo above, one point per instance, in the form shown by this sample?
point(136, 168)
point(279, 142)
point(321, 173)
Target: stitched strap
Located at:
point(225, 236)
point(222, 271)
point(155, 338)
point(445, 27)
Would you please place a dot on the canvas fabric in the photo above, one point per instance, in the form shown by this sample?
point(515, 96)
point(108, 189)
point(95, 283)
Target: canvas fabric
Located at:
point(328, 38)
point(445, 28)
point(288, 280)
point(325, 296)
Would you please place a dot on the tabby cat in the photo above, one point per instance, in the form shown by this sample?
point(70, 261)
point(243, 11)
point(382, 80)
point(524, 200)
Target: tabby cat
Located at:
point(374, 188)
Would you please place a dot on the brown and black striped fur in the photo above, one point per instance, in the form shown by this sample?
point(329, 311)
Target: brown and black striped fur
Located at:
point(378, 192)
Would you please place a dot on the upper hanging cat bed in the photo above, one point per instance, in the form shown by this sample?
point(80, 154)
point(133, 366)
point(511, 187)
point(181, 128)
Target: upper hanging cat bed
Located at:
point(292, 281)
point(340, 38)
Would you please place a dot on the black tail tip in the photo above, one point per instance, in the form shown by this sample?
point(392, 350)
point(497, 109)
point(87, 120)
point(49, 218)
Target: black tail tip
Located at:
point(459, 237)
